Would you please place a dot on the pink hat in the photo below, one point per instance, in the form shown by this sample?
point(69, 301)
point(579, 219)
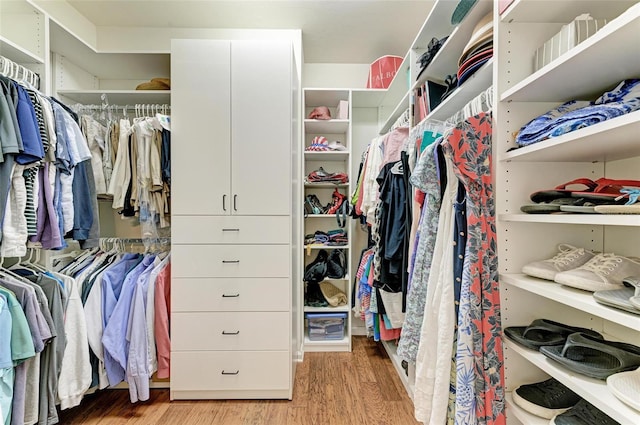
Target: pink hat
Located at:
point(320, 113)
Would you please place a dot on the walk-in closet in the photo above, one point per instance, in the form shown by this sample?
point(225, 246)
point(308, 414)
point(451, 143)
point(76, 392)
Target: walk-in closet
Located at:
point(320, 212)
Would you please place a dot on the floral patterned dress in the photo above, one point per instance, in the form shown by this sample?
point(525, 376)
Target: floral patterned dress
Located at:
point(480, 397)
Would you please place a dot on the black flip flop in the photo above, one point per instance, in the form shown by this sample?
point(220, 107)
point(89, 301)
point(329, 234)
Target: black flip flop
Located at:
point(593, 357)
point(544, 332)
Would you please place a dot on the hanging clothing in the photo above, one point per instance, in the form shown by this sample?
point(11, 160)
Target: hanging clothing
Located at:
point(425, 178)
point(479, 324)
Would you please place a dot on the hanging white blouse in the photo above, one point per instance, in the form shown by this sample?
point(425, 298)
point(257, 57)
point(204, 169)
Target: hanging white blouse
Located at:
point(433, 362)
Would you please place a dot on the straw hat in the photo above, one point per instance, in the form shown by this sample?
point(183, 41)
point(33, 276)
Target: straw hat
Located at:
point(482, 32)
point(155, 84)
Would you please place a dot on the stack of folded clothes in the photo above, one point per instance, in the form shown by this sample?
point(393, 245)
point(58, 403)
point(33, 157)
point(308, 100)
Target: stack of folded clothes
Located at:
point(337, 237)
point(478, 50)
point(577, 114)
point(322, 176)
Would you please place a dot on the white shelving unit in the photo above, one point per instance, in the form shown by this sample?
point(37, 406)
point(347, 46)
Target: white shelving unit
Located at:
point(609, 149)
point(118, 97)
point(330, 161)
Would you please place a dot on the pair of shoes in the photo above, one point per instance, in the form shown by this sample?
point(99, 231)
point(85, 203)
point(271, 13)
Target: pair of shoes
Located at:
point(583, 413)
point(545, 399)
point(312, 205)
point(584, 269)
point(544, 332)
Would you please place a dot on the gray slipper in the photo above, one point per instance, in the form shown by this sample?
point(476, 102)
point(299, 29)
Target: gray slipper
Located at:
point(617, 298)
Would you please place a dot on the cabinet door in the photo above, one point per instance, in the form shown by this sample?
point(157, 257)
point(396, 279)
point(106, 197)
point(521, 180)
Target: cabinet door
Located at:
point(261, 89)
point(200, 127)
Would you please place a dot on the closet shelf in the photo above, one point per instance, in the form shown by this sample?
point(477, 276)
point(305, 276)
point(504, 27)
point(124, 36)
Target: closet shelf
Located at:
point(561, 11)
point(523, 416)
point(471, 88)
point(18, 54)
point(327, 156)
point(399, 85)
point(594, 219)
point(320, 216)
point(325, 185)
point(326, 126)
point(318, 246)
point(581, 300)
point(446, 60)
point(593, 390)
point(340, 309)
point(119, 97)
point(329, 345)
point(438, 24)
point(609, 140)
point(572, 75)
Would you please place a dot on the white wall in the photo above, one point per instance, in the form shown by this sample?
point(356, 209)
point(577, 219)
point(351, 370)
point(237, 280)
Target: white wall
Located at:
point(338, 75)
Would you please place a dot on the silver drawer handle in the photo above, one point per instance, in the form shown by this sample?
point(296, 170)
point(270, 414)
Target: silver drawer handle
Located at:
point(230, 373)
point(230, 333)
point(230, 230)
point(230, 261)
point(230, 296)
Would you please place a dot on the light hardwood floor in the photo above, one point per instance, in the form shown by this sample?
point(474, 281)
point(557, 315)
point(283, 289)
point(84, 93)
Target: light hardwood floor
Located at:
point(360, 387)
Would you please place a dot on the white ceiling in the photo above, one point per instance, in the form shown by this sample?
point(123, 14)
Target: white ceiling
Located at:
point(344, 31)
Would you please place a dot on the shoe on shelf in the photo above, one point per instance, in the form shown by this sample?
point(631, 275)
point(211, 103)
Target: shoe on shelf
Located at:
point(583, 413)
point(545, 399)
point(569, 257)
point(602, 272)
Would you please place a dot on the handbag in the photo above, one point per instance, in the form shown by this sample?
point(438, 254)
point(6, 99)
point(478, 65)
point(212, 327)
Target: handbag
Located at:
point(336, 264)
point(317, 269)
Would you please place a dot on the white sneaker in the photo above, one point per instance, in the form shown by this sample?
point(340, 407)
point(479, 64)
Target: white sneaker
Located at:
point(602, 272)
point(568, 258)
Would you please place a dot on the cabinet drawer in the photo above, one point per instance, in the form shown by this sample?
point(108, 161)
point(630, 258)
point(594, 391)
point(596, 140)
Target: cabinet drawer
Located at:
point(230, 370)
point(243, 294)
point(230, 331)
point(231, 260)
point(201, 229)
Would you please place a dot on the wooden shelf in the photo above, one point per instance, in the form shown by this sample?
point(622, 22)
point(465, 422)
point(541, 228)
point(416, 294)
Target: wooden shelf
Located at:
point(326, 156)
point(609, 140)
point(119, 97)
point(593, 390)
point(562, 11)
point(581, 300)
point(326, 126)
point(593, 219)
point(580, 72)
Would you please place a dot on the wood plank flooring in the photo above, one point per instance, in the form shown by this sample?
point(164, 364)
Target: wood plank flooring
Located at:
point(360, 387)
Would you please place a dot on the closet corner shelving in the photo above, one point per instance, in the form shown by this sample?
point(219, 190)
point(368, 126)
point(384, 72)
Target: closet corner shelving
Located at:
point(331, 161)
point(608, 149)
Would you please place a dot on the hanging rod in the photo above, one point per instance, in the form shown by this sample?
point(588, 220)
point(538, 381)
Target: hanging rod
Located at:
point(17, 72)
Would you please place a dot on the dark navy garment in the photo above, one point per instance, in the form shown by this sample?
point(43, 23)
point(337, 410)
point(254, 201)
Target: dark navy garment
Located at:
point(459, 242)
point(165, 156)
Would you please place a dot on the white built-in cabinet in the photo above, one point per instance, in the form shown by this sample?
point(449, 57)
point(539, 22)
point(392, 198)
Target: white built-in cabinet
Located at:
point(232, 219)
point(609, 149)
